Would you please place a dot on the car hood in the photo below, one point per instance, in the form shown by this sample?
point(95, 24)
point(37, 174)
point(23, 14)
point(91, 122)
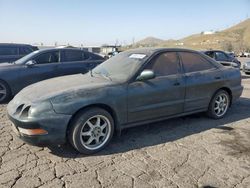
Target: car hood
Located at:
point(50, 88)
point(6, 65)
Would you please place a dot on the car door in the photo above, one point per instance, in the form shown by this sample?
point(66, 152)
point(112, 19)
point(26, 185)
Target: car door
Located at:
point(45, 67)
point(8, 54)
point(74, 61)
point(159, 97)
point(202, 80)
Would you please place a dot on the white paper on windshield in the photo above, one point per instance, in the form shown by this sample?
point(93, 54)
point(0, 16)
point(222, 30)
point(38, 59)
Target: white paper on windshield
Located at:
point(137, 56)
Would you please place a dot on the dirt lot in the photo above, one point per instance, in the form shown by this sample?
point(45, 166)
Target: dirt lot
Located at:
point(192, 151)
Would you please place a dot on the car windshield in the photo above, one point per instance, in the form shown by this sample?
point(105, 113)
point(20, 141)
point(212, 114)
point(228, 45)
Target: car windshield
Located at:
point(26, 58)
point(121, 67)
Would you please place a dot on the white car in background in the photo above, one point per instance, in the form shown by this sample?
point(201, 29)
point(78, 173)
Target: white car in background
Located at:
point(246, 67)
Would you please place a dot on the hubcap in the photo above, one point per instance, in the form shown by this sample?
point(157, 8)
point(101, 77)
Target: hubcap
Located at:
point(95, 132)
point(3, 92)
point(221, 105)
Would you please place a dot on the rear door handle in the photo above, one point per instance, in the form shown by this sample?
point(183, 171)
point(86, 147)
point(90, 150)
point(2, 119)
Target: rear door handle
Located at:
point(217, 77)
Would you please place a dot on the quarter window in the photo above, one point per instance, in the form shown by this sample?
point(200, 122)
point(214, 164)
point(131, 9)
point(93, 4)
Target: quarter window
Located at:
point(24, 50)
point(73, 55)
point(194, 62)
point(50, 57)
point(165, 64)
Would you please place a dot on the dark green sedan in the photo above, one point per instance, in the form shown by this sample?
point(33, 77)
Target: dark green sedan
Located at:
point(132, 88)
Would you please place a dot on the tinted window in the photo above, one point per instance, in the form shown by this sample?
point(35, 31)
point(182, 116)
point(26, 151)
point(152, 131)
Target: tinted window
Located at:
point(8, 51)
point(49, 57)
point(210, 54)
point(34, 48)
point(24, 50)
point(193, 62)
point(93, 56)
point(73, 55)
point(221, 56)
point(164, 64)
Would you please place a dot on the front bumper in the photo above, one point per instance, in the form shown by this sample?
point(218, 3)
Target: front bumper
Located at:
point(54, 124)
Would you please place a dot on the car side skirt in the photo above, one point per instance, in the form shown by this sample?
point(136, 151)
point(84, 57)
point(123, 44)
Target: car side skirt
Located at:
point(134, 124)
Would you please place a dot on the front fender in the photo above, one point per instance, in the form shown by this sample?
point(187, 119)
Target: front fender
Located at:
point(113, 97)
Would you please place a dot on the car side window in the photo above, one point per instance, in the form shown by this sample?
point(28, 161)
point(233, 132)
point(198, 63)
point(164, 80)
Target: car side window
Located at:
point(73, 55)
point(164, 64)
point(194, 62)
point(24, 50)
point(94, 56)
point(49, 57)
point(210, 54)
point(221, 56)
point(8, 51)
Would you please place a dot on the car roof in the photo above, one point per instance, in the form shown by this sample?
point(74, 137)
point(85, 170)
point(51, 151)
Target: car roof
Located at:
point(14, 44)
point(149, 51)
point(212, 51)
point(56, 49)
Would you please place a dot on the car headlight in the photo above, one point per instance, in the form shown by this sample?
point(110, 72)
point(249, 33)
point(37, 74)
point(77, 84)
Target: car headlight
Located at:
point(40, 109)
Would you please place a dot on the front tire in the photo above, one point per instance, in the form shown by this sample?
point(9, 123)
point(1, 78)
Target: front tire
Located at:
point(5, 92)
point(91, 130)
point(219, 105)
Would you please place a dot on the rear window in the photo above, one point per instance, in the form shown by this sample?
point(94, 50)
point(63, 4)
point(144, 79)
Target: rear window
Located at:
point(194, 62)
point(8, 51)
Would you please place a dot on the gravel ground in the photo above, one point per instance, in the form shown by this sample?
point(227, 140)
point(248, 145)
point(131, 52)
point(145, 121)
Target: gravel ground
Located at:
point(192, 151)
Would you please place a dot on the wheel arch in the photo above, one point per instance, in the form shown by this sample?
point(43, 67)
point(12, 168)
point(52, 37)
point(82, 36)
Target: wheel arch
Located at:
point(106, 107)
point(228, 90)
point(2, 80)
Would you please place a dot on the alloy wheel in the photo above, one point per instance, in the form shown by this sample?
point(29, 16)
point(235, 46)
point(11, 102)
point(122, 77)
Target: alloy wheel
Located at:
point(3, 92)
point(221, 104)
point(95, 132)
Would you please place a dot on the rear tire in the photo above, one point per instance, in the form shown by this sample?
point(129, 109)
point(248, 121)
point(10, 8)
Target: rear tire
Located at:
point(5, 92)
point(91, 130)
point(219, 105)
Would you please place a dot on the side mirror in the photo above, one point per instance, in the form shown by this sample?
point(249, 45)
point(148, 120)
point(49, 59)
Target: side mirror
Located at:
point(146, 75)
point(30, 63)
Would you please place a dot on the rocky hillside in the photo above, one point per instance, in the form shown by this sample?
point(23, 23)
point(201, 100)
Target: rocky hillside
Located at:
point(236, 38)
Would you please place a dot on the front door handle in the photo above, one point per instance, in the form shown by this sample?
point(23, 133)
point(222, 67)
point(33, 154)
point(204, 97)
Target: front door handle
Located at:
point(217, 77)
point(177, 84)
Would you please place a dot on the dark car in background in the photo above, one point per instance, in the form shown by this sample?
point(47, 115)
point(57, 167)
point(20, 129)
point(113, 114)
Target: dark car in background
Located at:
point(132, 88)
point(223, 58)
point(13, 52)
point(43, 64)
point(231, 54)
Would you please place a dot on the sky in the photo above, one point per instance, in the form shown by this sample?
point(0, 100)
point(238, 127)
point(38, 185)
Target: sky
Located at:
point(96, 22)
